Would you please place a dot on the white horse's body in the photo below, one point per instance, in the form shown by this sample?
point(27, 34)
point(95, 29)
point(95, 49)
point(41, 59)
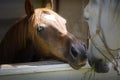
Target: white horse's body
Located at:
point(104, 24)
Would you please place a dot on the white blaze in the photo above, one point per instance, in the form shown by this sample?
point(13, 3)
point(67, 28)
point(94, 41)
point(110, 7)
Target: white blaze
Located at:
point(50, 17)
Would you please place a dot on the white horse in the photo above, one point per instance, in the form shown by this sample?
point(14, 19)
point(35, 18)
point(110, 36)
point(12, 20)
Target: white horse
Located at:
point(103, 17)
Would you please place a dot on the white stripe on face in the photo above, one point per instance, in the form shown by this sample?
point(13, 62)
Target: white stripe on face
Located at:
point(50, 17)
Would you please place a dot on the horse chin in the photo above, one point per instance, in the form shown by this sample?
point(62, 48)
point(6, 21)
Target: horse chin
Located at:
point(76, 66)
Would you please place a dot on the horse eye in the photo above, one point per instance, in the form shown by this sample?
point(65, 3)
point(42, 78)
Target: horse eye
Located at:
point(40, 28)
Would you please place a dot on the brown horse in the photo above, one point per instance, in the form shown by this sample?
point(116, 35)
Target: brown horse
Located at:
point(41, 34)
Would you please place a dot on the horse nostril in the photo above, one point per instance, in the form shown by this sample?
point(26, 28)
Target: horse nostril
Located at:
point(74, 52)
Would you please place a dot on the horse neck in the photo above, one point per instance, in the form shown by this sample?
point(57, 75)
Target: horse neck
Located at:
point(110, 24)
point(15, 38)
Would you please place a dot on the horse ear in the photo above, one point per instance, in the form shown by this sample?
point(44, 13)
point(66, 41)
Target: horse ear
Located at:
point(29, 8)
point(49, 4)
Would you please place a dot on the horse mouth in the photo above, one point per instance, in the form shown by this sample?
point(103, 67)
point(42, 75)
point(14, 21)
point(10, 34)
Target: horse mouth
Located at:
point(99, 66)
point(104, 69)
point(77, 66)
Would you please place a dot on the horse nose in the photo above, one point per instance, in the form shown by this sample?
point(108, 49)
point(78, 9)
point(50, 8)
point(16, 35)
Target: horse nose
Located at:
point(78, 52)
point(99, 65)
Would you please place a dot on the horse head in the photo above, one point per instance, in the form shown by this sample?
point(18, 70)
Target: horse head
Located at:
point(103, 19)
point(47, 31)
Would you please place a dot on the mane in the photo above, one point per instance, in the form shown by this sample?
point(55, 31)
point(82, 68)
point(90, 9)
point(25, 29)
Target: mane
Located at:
point(14, 40)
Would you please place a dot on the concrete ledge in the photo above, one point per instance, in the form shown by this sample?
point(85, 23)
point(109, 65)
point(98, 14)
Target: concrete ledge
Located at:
point(24, 69)
point(33, 67)
point(51, 70)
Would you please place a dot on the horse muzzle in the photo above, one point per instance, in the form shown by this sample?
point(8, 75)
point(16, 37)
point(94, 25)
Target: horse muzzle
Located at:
point(99, 65)
point(77, 57)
